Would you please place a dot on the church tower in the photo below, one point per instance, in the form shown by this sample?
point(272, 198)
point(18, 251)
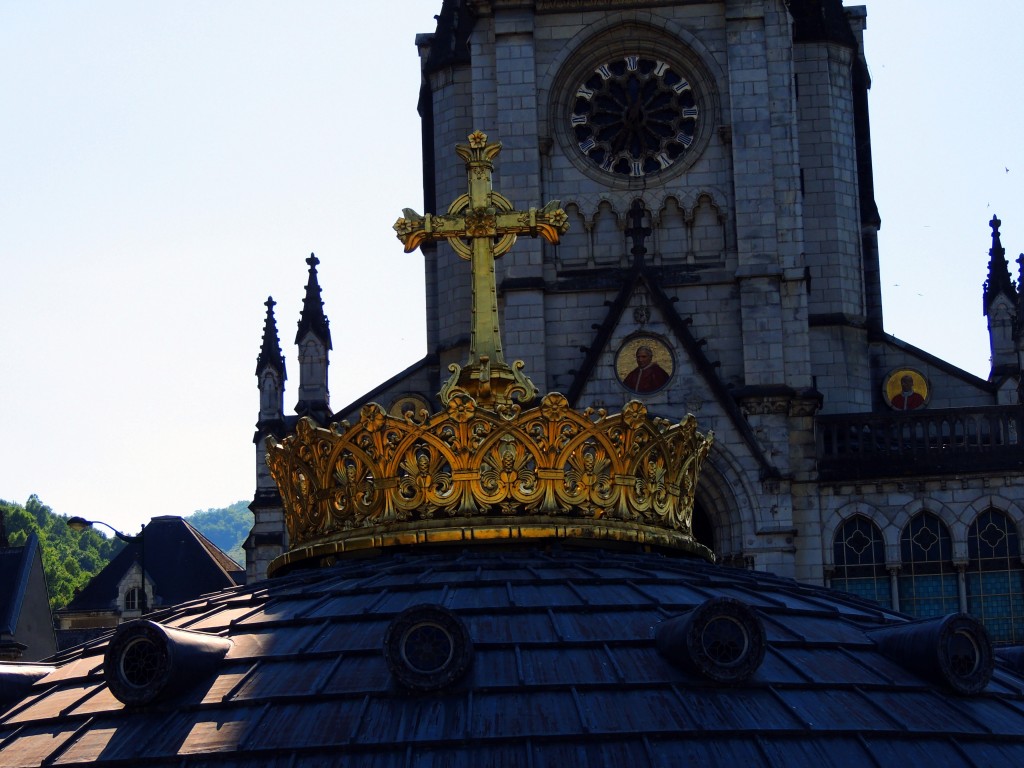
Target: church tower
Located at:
point(708, 157)
point(717, 255)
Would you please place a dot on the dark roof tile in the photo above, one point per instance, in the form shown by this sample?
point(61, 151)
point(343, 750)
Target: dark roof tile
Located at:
point(360, 634)
point(520, 627)
point(521, 714)
point(35, 744)
point(363, 672)
point(742, 709)
point(706, 751)
point(814, 753)
point(573, 679)
point(831, 709)
point(553, 666)
point(607, 625)
point(641, 711)
point(467, 597)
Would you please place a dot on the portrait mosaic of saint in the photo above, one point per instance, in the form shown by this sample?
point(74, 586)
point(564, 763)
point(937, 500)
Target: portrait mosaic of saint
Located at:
point(906, 389)
point(644, 364)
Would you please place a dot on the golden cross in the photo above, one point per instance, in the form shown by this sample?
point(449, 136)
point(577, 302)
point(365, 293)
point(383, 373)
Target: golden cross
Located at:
point(491, 224)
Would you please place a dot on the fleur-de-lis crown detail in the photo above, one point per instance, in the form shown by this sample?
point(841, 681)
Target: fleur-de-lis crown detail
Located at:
point(472, 474)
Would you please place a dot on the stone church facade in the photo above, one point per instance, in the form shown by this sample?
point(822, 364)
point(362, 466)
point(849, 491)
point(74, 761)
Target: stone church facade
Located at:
point(714, 161)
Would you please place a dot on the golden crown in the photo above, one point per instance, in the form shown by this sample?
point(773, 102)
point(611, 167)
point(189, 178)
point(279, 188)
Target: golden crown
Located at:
point(470, 474)
point(484, 469)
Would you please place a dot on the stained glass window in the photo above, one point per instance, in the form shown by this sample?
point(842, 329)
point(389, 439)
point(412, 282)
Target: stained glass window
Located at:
point(995, 577)
point(927, 582)
point(859, 558)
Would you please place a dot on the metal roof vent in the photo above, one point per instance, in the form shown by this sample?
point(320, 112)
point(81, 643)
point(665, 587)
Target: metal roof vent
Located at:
point(953, 649)
point(721, 639)
point(146, 661)
point(17, 678)
point(427, 647)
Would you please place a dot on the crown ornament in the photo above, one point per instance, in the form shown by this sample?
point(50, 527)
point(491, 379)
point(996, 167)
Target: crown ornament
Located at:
point(470, 474)
point(485, 469)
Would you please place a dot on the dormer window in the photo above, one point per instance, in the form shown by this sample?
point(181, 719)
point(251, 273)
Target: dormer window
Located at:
point(133, 599)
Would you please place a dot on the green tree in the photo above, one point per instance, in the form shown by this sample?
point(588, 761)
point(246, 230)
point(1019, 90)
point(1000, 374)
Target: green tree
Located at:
point(70, 558)
point(227, 527)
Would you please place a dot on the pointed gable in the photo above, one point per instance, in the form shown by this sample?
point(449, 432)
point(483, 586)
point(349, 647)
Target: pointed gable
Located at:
point(648, 303)
point(26, 626)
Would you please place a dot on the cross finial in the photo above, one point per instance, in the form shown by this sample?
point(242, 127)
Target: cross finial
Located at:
point(491, 225)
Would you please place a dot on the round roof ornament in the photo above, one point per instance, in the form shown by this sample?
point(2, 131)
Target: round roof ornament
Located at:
point(427, 647)
point(721, 639)
point(146, 661)
point(953, 649)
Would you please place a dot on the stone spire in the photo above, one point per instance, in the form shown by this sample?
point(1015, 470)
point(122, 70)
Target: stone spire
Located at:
point(314, 341)
point(313, 320)
point(999, 281)
point(270, 370)
point(1000, 307)
point(270, 351)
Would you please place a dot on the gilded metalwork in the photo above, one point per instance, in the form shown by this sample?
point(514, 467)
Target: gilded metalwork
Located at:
point(490, 224)
point(485, 469)
point(493, 473)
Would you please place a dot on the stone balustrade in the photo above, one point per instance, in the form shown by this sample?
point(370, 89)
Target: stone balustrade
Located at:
point(867, 446)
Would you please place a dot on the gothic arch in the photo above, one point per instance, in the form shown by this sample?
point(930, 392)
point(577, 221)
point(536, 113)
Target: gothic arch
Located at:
point(727, 499)
point(671, 236)
point(844, 513)
point(608, 247)
point(949, 518)
point(708, 242)
point(1009, 508)
point(574, 249)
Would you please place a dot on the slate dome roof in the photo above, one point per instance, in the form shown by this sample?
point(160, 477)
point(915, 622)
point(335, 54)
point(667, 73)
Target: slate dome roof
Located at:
point(563, 668)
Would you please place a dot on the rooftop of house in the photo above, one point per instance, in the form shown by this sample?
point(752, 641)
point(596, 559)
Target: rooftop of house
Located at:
point(179, 561)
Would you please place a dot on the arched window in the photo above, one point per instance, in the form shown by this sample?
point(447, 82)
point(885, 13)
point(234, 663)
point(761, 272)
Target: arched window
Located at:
point(928, 582)
point(133, 599)
point(859, 558)
point(995, 577)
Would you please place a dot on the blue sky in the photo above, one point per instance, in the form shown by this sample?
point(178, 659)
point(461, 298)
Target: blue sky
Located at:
point(167, 166)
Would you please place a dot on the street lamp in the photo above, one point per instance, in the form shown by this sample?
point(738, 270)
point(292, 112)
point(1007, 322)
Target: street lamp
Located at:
point(81, 524)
